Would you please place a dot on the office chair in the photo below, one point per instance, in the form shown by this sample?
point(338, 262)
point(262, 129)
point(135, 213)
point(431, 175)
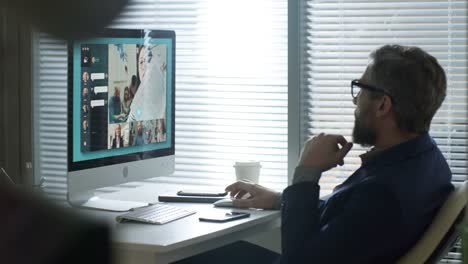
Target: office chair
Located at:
point(443, 232)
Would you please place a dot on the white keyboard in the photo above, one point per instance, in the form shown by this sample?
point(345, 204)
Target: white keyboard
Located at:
point(156, 214)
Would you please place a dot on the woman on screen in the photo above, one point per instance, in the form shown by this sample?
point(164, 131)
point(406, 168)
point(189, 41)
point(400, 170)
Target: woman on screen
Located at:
point(125, 105)
point(161, 131)
point(133, 86)
point(149, 102)
point(117, 142)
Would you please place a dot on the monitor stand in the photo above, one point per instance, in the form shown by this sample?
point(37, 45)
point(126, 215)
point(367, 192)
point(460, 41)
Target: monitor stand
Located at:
point(85, 186)
point(90, 200)
point(112, 205)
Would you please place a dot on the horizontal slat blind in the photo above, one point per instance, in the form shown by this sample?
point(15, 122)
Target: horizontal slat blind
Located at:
point(231, 89)
point(50, 115)
point(337, 37)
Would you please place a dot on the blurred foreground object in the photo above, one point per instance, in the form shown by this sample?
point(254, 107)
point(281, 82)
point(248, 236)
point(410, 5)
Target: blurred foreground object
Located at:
point(34, 230)
point(66, 18)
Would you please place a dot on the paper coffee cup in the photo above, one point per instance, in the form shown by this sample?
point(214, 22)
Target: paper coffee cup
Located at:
point(247, 170)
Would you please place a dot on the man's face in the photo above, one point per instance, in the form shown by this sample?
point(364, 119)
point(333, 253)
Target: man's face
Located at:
point(364, 132)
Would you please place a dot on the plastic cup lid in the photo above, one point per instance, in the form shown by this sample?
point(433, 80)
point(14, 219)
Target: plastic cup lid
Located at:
point(247, 163)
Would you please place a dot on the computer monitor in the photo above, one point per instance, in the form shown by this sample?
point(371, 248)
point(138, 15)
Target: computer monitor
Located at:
point(121, 104)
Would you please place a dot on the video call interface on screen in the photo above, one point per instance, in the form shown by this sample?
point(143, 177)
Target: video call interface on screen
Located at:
point(123, 96)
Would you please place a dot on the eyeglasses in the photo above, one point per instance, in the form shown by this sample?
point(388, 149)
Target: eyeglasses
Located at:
point(356, 87)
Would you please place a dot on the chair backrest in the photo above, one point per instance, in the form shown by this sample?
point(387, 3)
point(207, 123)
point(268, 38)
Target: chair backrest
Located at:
point(443, 230)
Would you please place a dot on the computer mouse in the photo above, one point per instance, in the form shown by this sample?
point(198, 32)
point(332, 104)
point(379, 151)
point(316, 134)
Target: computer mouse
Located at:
point(224, 203)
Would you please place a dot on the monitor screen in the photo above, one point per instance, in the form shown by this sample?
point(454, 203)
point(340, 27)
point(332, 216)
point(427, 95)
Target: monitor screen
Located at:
point(121, 98)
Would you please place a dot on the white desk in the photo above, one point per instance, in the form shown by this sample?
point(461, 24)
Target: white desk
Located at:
point(145, 243)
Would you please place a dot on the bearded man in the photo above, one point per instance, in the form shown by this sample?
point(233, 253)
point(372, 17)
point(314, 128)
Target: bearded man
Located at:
point(384, 207)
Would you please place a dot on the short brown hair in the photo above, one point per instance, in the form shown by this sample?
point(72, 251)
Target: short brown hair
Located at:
point(416, 82)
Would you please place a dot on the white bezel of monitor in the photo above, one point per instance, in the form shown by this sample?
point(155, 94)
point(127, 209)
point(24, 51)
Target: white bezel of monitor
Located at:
point(85, 176)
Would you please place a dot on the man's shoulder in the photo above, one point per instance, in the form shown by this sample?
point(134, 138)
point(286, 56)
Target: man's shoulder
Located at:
point(428, 164)
point(417, 159)
point(418, 181)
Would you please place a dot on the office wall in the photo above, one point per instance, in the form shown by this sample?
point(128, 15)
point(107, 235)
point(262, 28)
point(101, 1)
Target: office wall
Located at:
point(10, 96)
point(15, 92)
point(2, 95)
point(25, 103)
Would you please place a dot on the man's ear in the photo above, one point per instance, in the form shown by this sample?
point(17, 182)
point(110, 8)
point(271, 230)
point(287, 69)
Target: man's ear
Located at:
point(384, 106)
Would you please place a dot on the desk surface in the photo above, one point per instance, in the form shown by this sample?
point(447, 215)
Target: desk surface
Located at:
point(183, 237)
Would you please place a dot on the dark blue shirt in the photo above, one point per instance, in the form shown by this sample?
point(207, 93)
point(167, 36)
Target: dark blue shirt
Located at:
point(375, 216)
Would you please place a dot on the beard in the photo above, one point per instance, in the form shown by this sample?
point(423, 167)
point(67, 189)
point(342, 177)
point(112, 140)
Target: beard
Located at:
point(363, 132)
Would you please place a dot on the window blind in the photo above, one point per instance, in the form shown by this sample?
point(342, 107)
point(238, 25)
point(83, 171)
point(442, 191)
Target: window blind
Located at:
point(337, 37)
point(50, 115)
point(231, 90)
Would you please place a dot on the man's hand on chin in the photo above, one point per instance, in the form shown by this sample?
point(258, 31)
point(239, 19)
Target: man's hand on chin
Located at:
point(325, 151)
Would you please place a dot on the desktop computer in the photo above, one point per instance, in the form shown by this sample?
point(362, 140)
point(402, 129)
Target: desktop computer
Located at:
point(121, 106)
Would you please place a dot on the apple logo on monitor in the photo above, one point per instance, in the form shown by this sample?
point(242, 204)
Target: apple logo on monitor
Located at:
point(125, 172)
